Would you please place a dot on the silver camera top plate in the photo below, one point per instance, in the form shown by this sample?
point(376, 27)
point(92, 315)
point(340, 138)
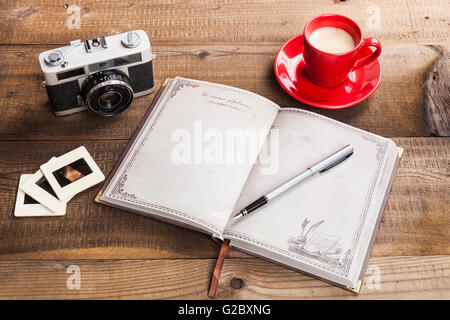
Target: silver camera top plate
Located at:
point(76, 55)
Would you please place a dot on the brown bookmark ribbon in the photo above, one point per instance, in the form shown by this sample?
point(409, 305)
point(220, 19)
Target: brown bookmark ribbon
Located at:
point(218, 268)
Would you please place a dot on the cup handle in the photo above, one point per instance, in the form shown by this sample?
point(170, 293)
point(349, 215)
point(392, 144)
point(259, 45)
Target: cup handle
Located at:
point(369, 42)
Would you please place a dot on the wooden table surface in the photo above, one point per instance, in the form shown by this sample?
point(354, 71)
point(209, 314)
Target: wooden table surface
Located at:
point(122, 255)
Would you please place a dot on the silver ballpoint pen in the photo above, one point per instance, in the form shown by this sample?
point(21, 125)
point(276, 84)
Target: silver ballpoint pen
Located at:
point(320, 167)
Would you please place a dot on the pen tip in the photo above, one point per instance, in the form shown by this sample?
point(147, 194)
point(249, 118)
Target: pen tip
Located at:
point(236, 217)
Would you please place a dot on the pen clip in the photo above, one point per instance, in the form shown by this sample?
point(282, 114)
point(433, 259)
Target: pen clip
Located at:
point(335, 163)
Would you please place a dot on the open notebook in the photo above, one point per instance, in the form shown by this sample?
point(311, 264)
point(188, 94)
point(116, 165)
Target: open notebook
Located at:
point(173, 169)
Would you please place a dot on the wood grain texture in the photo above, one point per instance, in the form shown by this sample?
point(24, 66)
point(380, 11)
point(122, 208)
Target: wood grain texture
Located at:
point(25, 112)
point(415, 221)
point(217, 21)
point(230, 42)
point(399, 278)
point(437, 95)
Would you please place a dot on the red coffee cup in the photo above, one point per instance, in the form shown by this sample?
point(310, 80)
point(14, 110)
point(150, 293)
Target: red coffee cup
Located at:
point(331, 69)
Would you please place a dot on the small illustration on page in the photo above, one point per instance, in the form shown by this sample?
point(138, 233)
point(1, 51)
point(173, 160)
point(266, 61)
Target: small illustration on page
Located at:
point(315, 244)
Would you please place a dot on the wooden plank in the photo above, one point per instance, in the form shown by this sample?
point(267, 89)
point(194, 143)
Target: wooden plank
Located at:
point(419, 198)
point(399, 278)
point(234, 21)
point(437, 97)
point(415, 221)
point(395, 110)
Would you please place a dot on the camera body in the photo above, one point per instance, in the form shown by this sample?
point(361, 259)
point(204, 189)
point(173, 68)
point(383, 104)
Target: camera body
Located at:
point(101, 75)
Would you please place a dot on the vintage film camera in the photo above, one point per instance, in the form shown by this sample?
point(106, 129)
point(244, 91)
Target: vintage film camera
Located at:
point(101, 75)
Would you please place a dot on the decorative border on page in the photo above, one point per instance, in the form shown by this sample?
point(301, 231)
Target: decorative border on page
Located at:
point(119, 190)
point(182, 84)
point(341, 267)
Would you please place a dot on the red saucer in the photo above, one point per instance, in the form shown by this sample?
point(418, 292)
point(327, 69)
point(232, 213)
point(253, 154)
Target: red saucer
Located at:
point(289, 70)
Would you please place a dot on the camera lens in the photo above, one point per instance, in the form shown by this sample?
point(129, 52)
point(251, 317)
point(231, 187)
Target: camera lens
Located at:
point(109, 100)
point(107, 93)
